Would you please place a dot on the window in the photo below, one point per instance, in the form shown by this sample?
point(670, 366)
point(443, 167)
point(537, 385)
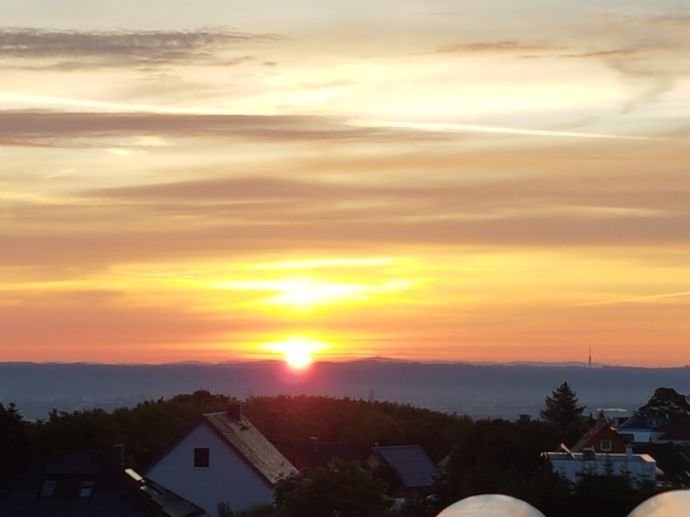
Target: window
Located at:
point(86, 488)
point(605, 445)
point(48, 488)
point(201, 457)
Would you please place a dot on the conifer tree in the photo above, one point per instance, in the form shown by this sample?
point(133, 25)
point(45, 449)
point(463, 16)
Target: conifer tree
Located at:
point(561, 407)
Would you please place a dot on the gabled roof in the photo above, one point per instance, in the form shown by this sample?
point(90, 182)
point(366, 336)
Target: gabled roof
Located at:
point(410, 462)
point(601, 427)
point(637, 421)
point(590, 435)
point(246, 439)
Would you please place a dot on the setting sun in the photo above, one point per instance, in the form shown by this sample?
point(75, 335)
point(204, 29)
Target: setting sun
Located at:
point(453, 186)
point(297, 352)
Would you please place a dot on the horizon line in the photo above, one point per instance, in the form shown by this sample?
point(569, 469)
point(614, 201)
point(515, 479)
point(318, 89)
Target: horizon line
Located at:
point(536, 364)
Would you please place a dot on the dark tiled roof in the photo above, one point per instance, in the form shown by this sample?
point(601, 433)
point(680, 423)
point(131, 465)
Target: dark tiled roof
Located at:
point(111, 492)
point(636, 421)
point(250, 443)
point(410, 462)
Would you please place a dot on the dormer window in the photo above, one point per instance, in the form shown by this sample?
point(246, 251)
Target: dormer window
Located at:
point(605, 445)
point(202, 457)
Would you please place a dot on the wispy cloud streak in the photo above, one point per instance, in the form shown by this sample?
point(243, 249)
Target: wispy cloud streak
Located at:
point(33, 128)
point(637, 299)
point(70, 49)
point(498, 130)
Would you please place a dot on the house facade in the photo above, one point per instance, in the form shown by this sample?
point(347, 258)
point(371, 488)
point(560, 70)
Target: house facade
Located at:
point(640, 468)
point(601, 438)
point(225, 460)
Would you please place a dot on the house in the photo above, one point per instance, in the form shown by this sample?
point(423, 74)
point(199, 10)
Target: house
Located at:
point(315, 453)
point(410, 463)
point(639, 429)
point(641, 468)
point(664, 409)
point(224, 459)
point(86, 482)
point(601, 438)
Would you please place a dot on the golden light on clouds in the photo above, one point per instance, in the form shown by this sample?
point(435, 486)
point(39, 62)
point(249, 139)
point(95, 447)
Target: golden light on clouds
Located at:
point(304, 293)
point(369, 178)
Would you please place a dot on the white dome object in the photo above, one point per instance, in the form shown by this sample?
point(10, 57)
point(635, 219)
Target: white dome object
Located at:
point(669, 504)
point(490, 505)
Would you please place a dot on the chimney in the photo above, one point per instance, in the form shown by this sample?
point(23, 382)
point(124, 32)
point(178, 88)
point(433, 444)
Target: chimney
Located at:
point(234, 411)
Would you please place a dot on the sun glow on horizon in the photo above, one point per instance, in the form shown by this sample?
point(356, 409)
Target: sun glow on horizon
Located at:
point(297, 351)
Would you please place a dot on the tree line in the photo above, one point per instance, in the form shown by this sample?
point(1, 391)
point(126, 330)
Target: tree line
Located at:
point(478, 456)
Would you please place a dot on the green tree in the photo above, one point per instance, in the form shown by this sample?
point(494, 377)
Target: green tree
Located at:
point(607, 495)
point(262, 510)
point(561, 408)
point(498, 456)
point(13, 442)
point(344, 490)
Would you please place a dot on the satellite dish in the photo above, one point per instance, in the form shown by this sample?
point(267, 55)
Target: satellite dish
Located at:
point(669, 504)
point(490, 505)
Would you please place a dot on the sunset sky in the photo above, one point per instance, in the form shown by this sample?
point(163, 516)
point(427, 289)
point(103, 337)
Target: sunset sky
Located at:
point(432, 180)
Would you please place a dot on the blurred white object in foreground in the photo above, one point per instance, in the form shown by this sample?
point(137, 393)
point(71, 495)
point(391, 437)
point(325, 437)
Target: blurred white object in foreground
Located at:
point(491, 505)
point(669, 504)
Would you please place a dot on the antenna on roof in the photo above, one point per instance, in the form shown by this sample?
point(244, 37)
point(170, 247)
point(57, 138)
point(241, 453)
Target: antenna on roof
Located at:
point(563, 447)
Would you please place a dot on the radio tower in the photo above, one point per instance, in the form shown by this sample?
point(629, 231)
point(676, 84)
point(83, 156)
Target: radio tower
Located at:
point(590, 356)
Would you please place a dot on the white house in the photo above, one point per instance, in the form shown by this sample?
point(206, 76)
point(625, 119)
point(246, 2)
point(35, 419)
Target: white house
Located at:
point(223, 459)
point(572, 466)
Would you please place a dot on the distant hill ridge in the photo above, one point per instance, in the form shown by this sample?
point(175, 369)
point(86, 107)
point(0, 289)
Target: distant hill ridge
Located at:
point(478, 390)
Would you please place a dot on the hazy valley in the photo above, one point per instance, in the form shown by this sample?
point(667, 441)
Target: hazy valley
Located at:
point(475, 390)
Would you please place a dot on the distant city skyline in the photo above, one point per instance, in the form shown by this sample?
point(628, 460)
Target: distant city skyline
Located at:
point(225, 180)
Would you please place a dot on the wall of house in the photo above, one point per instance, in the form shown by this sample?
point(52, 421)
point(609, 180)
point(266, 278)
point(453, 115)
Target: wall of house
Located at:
point(227, 479)
point(616, 441)
point(639, 435)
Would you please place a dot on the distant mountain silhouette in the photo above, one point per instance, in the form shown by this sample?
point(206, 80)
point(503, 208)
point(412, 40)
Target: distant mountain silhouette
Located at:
point(476, 389)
